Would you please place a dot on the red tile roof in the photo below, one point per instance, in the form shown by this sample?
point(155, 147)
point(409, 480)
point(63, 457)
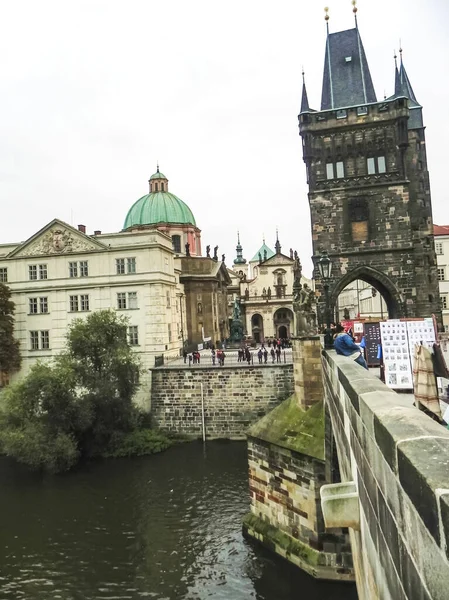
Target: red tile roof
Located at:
point(441, 230)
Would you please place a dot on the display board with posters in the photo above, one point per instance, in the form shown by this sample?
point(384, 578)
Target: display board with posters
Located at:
point(396, 354)
point(398, 348)
point(420, 332)
point(371, 331)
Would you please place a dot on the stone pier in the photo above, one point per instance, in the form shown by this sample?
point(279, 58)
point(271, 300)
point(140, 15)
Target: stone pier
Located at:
point(286, 454)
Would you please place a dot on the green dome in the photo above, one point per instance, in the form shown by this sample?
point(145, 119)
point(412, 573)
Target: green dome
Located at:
point(157, 175)
point(159, 207)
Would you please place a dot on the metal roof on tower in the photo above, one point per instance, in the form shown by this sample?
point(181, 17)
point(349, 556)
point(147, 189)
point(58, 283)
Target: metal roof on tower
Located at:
point(347, 78)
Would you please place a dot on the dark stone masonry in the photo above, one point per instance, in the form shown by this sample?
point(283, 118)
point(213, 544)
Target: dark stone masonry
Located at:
point(234, 398)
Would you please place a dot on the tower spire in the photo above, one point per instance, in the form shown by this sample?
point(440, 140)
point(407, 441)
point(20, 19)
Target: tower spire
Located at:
point(354, 10)
point(304, 99)
point(277, 245)
point(239, 260)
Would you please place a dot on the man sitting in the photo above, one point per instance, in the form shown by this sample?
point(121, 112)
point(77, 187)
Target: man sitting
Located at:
point(345, 345)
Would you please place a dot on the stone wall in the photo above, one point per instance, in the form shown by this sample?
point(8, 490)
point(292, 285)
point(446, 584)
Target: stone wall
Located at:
point(285, 494)
point(399, 460)
point(234, 398)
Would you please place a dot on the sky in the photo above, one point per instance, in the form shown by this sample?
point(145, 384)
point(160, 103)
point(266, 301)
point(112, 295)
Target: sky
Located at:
point(94, 92)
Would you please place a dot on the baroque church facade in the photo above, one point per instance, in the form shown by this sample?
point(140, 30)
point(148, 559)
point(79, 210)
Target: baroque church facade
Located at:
point(264, 286)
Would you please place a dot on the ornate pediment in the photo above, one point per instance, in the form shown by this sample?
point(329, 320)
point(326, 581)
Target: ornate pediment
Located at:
point(57, 238)
point(278, 259)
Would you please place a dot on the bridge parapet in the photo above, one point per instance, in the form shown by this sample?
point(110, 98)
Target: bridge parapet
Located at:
point(399, 459)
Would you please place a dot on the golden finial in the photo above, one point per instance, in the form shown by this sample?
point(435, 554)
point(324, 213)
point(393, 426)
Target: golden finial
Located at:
point(354, 5)
point(326, 16)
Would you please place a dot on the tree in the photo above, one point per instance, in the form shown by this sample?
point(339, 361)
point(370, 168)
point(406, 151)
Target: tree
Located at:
point(10, 358)
point(107, 368)
point(82, 404)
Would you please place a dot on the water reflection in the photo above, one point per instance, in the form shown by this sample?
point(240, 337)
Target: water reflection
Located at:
point(165, 527)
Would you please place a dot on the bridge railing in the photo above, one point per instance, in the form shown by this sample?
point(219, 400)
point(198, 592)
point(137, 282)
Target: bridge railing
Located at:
point(399, 460)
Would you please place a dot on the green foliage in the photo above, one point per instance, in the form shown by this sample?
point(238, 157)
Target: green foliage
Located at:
point(82, 404)
point(137, 443)
point(10, 358)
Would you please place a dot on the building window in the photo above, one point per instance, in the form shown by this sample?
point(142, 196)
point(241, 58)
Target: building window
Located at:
point(176, 241)
point(33, 306)
point(438, 250)
point(162, 186)
point(329, 170)
point(121, 300)
point(168, 299)
point(340, 169)
point(362, 110)
point(131, 265)
point(74, 307)
point(3, 274)
point(42, 271)
point(132, 299)
point(39, 340)
point(169, 332)
point(43, 304)
point(45, 340)
point(32, 272)
point(156, 187)
point(84, 302)
point(120, 266)
point(84, 270)
point(359, 219)
point(443, 302)
point(34, 340)
point(73, 269)
point(133, 335)
point(441, 273)
point(376, 164)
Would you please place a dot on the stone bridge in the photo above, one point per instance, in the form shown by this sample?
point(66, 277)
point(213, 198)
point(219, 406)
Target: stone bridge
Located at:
point(398, 459)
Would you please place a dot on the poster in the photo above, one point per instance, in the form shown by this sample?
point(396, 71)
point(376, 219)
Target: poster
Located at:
point(372, 341)
point(396, 354)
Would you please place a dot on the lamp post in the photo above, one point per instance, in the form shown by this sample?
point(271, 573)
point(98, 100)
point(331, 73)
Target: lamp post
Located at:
point(325, 269)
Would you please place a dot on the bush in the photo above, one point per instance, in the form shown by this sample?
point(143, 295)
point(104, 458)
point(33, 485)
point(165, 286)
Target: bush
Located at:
point(137, 443)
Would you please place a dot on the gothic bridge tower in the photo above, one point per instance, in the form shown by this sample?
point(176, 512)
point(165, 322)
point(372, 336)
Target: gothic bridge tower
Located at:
point(369, 191)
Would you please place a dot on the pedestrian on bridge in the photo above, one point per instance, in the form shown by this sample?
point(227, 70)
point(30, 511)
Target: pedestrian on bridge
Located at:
point(345, 345)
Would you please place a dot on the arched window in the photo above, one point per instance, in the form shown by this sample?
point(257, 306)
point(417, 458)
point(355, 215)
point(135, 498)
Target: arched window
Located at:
point(176, 240)
point(162, 186)
point(155, 187)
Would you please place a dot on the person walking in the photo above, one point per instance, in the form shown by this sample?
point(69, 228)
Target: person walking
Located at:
point(223, 356)
point(248, 355)
point(265, 355)
point(190, 359)
point(273, 354)
point(346, 346)
point(213, 357)
point(184, 354)
point(259, 356)
point(278, 354)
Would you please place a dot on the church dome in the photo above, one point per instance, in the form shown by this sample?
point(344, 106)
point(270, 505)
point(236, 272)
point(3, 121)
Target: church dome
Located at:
point(159, 206)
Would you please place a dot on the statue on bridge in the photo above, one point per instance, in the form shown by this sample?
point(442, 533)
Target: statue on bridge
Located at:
point(303, 307)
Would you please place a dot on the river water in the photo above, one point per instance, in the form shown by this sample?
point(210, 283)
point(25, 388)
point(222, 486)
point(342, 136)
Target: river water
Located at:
point(163, 527)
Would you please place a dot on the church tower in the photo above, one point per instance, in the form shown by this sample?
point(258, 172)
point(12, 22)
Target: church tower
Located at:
point(369, 190)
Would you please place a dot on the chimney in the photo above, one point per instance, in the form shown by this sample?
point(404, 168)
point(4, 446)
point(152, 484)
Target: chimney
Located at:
point(82, 228)
point(97, 232)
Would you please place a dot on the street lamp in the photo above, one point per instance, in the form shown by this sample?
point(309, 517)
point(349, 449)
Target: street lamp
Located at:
point(325, 269)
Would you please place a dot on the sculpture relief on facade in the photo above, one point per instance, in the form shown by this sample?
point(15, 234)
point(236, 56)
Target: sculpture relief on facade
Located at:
point(58, 241)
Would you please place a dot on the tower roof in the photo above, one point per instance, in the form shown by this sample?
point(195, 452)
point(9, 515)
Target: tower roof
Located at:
point(304, 99)
point(261, 251)
point(239, 260)
point(347, 78)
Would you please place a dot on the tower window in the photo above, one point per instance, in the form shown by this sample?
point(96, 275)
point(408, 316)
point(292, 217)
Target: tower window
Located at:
point(329, 170)
point(162, 186)
point(376, 164)
point(359, 219)
point(340, 169)
point(335, 170)
point(156, 187)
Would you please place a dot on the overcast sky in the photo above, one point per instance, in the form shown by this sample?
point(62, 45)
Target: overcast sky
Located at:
point(94, 92)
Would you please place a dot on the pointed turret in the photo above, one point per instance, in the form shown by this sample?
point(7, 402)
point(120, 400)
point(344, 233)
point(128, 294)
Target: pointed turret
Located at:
point(239, 260)
point(404, 83)
point(304, 99)
point(403, 88)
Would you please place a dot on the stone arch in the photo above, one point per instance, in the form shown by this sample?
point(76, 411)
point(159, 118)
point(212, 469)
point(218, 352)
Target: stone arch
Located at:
point(283, 317)
point(257, 328)
point(376, 279)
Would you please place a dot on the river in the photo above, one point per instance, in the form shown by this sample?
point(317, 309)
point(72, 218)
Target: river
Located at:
point(163, 527)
